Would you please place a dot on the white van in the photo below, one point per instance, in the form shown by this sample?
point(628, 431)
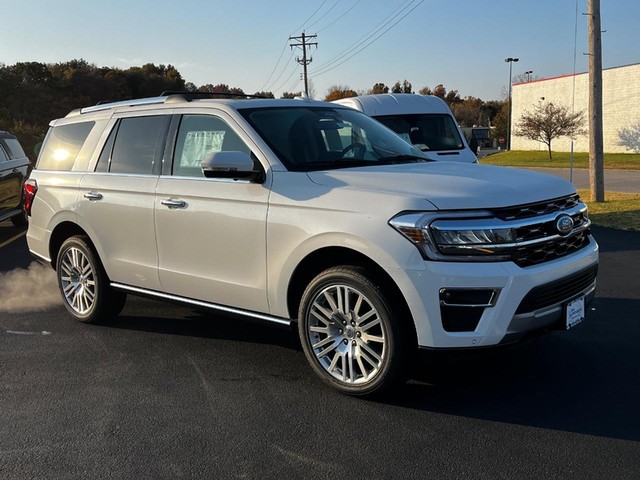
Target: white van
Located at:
point(422, 120)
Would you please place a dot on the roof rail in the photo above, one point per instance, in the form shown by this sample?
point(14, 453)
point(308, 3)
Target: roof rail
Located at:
point(128, 103)
point(190, 95)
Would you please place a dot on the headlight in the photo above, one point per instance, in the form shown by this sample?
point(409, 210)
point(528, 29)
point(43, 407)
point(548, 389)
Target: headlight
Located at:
point(482, 239)
point(508, 234)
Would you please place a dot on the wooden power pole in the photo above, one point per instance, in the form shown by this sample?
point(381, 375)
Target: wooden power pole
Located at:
point(596, 148)
point(304, 61)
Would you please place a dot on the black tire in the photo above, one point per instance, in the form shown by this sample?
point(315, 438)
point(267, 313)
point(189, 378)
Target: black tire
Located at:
point(350, 333)
point(83, 283)
point(20, 220)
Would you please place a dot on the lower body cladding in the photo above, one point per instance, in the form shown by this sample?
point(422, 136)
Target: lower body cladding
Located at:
point(481, 304)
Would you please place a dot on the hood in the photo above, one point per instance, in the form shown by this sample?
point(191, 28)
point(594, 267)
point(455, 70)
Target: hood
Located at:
point(451, 186)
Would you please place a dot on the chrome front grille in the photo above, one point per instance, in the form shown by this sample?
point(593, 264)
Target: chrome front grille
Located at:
point(538, 239)
point(538, 209)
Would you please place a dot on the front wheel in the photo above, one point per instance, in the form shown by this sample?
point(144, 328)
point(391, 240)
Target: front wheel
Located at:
point(349, 332)
point(84, 284)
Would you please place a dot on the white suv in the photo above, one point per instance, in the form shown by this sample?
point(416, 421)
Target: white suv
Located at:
point(295, 211)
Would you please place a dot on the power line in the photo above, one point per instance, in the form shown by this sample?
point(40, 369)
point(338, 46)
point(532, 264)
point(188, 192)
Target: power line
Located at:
point(310, 17)
point(339, 18)
point(295, 69)
point(324, 14)
point(326, 67)
point(284, 67)
point(294, 85)
point(367, 35)
point(284, 47)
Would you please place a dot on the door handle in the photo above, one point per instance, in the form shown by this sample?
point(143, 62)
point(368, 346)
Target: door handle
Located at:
point(93, 196)
point(172, 203)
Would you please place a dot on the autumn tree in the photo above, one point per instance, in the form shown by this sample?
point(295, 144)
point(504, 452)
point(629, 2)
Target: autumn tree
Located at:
point(500, 121)
point(291, 94)
point(265, 94)
point(378, 89)
point(469, 112)
point(549, 121)
point(337, 92)
point(425, 91)
point(404, 87)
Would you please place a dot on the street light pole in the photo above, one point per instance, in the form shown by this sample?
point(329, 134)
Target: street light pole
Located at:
point(510, 61)
point(528, 73)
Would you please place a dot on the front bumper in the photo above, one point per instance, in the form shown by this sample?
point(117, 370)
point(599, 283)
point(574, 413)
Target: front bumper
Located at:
point(529, 299)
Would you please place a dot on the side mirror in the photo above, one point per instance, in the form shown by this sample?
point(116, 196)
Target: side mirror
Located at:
point(230, 164)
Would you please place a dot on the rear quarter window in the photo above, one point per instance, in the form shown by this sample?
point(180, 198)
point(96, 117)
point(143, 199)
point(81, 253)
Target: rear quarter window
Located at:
point(14, 147)
point(62, 145)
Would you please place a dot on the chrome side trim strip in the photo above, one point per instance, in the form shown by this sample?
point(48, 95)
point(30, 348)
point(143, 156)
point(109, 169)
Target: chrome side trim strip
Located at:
point(198, 303)
point(40, 257)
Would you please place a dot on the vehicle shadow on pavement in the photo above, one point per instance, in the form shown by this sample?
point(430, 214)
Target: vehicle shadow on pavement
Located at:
point(613, 240)
point(187, 322)
point(582, 381)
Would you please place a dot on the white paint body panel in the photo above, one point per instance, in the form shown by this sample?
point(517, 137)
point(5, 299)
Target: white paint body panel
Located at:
point(238, 244)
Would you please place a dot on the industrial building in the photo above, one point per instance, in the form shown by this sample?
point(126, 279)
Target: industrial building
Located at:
point(620, 99)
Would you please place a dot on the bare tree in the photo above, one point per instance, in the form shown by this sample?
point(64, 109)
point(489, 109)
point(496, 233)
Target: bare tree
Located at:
point(548, 122)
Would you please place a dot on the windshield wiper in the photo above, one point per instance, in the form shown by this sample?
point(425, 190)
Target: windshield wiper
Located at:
point(393, 159)
point(334, 164)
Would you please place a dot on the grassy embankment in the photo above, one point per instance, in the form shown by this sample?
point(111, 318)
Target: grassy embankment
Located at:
point(620, 210)
point(537, 158)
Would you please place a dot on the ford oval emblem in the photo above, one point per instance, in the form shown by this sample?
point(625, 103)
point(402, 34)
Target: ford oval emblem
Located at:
point(564, 224)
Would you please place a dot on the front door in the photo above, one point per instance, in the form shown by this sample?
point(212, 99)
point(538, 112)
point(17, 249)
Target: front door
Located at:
point(211, 233)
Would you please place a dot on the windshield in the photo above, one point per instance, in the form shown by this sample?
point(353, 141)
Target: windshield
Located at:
point(308, 138)
point(427, 132)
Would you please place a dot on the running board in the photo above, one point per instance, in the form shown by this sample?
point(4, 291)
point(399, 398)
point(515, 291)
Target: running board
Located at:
point(197, 303)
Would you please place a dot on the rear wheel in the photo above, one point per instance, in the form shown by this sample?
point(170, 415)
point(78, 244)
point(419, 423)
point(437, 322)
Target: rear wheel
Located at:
point(20, 220)
point(349, 332)
point(84, 284)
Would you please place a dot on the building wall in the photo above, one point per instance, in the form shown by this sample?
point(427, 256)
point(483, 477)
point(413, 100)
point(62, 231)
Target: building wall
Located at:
point(620, 102)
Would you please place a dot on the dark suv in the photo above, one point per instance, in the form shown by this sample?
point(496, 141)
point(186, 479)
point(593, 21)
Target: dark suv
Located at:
point(14, 169)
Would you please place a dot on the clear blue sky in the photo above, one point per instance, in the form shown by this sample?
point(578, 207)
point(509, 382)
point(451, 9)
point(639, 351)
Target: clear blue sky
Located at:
point(461, 44)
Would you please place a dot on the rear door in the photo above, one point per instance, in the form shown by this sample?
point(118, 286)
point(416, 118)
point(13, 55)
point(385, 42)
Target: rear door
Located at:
point(211, 233)
point(116, 200)
point(12, 174)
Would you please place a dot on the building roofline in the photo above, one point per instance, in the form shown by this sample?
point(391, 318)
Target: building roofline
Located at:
point(568, 75)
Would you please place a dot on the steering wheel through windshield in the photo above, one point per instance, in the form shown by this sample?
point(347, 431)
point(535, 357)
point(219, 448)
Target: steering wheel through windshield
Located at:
point(358, 150)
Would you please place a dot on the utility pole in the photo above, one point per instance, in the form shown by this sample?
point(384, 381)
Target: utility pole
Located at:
point(304, 61)
point(510, 61)
point(596, 147)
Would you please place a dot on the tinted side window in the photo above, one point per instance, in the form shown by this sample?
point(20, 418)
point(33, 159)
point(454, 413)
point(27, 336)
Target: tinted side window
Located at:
point(62, 145)
point(104, 161)
point(198, 136)
point(3, 155)
point(15, 149)
point(138, 144)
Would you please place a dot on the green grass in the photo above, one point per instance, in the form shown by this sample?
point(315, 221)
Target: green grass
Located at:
point(619, 210)
point(537, 158)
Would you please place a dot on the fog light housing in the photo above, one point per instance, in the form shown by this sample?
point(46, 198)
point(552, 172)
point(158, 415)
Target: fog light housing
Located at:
point(461, 308)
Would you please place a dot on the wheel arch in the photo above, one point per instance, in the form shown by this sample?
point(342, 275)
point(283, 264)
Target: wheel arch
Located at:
point(62, 232)
point(328, 257)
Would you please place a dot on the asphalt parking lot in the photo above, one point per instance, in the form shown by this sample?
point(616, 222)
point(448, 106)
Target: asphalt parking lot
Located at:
point(170, 392)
